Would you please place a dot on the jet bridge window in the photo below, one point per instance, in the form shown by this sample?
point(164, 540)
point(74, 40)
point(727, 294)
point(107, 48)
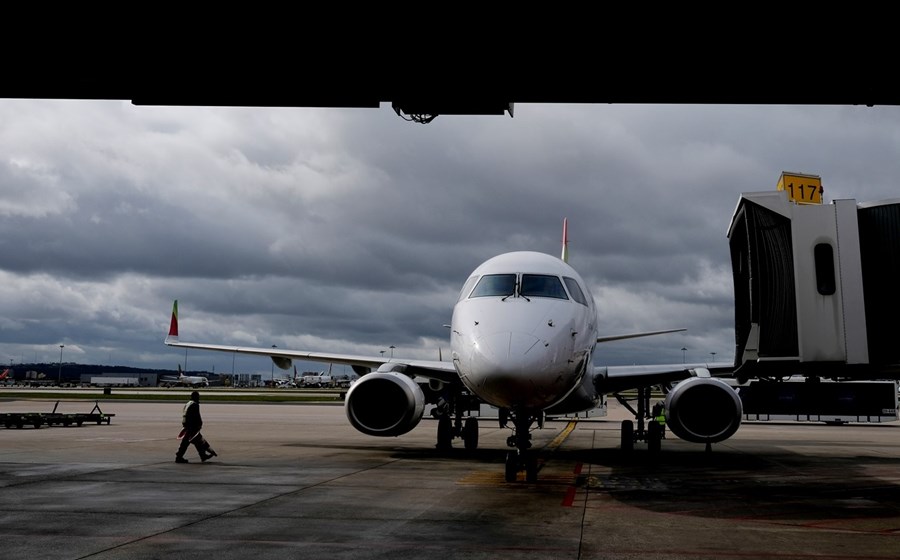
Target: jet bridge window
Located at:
point(575, 290)
point(542, 285)
point(495, 285)
point(824, 256)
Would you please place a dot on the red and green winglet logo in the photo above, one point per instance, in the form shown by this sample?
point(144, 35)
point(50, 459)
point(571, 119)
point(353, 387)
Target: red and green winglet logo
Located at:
point(173, 326)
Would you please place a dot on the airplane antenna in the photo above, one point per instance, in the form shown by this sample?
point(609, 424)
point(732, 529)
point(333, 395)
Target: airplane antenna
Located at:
point(565, 241)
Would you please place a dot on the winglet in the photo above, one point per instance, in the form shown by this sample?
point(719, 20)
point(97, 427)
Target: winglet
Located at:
point(565, 241)
point(173, 325)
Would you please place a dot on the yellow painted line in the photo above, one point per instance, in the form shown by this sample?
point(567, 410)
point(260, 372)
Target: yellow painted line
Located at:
point(497, 478)
point(484, 478)
point(558, 440)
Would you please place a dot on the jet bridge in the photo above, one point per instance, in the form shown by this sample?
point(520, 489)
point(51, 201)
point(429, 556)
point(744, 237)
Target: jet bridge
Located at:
point(815, 287)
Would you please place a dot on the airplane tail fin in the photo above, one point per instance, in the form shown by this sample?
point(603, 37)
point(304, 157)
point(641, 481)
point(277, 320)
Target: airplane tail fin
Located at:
point(173, 325)
point(565, 241)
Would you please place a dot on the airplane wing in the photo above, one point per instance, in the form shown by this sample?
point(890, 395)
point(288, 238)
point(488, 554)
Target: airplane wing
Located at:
point(610, 338)
point(612, 379)
point(442, 371)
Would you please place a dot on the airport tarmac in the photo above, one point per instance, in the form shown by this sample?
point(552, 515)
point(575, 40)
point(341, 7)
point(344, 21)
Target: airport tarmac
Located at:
point(296, 481)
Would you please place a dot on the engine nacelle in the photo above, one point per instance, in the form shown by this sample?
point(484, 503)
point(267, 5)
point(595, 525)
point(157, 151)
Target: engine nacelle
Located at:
point(703, 410)
point(282, 363)
point(385, 404)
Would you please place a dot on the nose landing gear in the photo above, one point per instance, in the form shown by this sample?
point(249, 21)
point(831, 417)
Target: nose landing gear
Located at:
point(522, 458)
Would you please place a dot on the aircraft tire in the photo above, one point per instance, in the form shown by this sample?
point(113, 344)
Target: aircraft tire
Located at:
point(470, 433)
point(654, 437)
point(445, 433)
point(531, 468)
point(512, 466)
point(627, 436)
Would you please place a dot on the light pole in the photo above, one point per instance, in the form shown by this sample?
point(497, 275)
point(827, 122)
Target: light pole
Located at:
point(713, 356)
point(382, 354)
point(392, 351)
point(273, 369)
point(59, 375)
point(683, 350)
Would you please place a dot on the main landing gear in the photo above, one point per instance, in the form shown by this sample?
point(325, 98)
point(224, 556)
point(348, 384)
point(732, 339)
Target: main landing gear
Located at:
point(452, 424)
point(522, 458)
point(654, 432)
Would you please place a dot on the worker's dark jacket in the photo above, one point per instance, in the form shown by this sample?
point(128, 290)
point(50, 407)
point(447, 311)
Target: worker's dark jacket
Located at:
point(191, 419)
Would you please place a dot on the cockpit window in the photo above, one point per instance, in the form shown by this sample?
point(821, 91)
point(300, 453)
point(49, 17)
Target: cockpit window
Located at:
point(542, 285)
point(495, 285)
point(467, 287)
point(575, 290)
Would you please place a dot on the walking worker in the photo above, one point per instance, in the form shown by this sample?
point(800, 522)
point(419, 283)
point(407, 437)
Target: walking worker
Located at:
point(192, 423)
point(659, 414)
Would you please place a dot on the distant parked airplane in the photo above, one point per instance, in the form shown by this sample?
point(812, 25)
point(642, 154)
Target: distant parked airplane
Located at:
point(183, 380)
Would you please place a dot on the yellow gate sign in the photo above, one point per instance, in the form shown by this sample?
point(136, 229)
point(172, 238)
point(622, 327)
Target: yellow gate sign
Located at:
point(802, 188)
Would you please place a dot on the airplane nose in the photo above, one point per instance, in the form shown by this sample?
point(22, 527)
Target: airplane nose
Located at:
point(504, 367)
point(506, 350)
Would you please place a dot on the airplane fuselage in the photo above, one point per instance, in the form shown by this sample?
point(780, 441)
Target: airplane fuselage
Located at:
point(523, 331)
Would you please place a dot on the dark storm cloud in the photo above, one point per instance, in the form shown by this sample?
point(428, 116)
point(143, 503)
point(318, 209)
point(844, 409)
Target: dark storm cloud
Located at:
point(352, 230)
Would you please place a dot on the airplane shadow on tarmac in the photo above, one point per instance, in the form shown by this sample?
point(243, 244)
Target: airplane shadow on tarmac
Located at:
point(780, 485)
point(684, 479)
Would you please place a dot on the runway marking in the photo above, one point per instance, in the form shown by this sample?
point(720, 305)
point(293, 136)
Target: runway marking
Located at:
point(483, 478)
point(569, 499)
point(558, 440)
point(497, 478)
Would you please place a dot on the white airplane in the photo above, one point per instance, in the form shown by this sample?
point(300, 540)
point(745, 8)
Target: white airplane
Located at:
point(523, 334)
point(183, 380)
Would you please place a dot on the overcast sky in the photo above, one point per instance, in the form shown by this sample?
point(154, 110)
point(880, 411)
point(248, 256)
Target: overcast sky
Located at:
point(351, 230)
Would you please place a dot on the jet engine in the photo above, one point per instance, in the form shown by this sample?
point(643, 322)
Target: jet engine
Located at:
point(282, 363)
point(703, 410)
point(385, 404)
